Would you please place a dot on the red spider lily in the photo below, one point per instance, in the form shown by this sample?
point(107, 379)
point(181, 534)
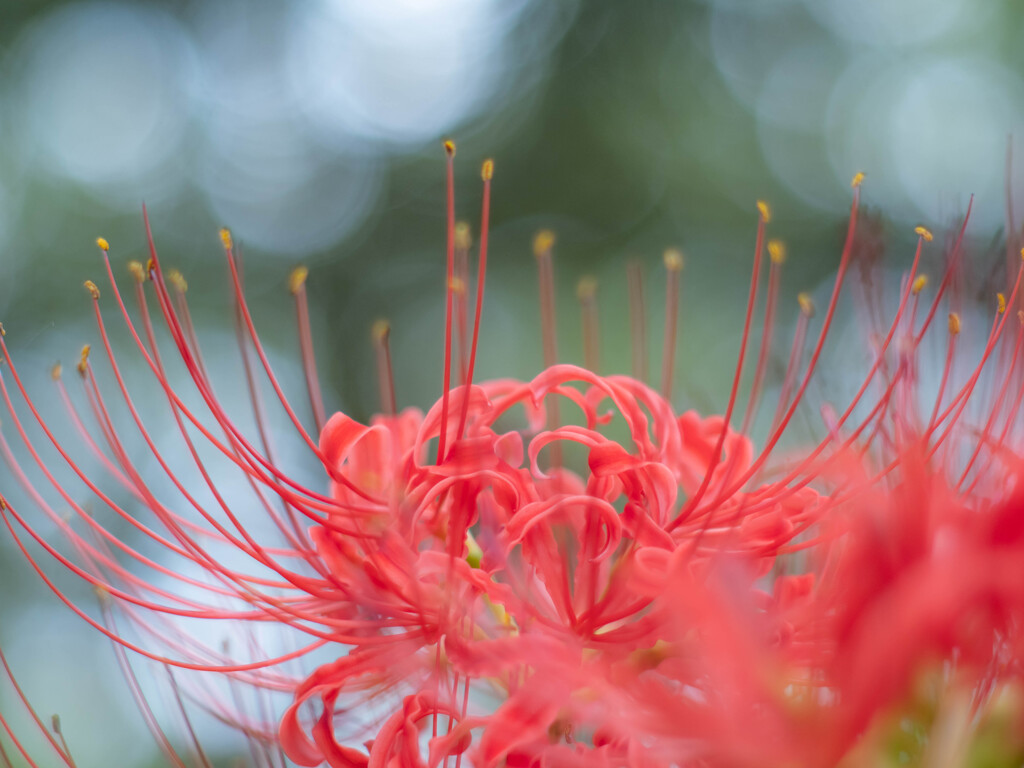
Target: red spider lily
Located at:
point(461, 591)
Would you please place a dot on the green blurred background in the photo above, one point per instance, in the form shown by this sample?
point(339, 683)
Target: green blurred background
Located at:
point(313, 130)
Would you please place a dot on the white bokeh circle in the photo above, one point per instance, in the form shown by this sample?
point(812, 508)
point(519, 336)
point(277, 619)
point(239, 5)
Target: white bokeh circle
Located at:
point(103, 97)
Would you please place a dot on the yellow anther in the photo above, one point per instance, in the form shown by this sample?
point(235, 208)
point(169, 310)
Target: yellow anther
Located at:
point(3, 332)
point(177, 280)
point(543, 242)
point(381, 330)
point(103, 244)
point(649, 658)
point(56, 371)
point(462, 237)
point(919, 283)
point(954, 323)
point(923, 233)
point(765, 211)
point(673, 259)
point(1000, 303)
point(474, 554)
point(138, 272)
point(150, 266)
point(1020, 316)
point(297, 279)
point(776, 251)
point(586, 288)
point(83, 361)
point(225, 238)
point(457, 285)
point(858, 179)
point(487, 170)
point(90, 286)
point(3, 503)
point(449, 148)
point(806, 304)
point(1022, 253)
point(499, 612)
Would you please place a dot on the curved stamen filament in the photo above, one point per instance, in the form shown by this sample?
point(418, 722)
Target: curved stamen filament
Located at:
point(449, 290)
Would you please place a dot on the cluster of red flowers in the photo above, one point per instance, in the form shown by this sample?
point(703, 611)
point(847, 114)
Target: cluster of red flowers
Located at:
point(502, 582)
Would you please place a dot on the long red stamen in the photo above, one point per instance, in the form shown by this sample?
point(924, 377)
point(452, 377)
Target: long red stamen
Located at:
point(716, 454)
point(960, 401)
point(486, 174)
point(673, 267)
point(542, 245)
point(796, 352)
point(543, 242)
point(297, 288)
point(952, 412)
point(449, 148)
point(250, 544)
point(823, 333)
point(239, 448)
point(62, 752)
point(292, 532)
point(995, 408)
point(808, 461)
point(175, 327)
point(255, 396)
point(777, 256)
point(135, 688)
point(463, 243)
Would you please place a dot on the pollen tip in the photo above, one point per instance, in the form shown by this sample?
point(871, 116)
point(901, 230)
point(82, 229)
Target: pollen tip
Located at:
point(150, 266)
point(56, 371)
point(923, 233)
point(806, 304)
point(3, 502)
point(1000, 303)
point(777, 251)
point(673, 259)
point(1020, 316)
point(858, 179)
point(919, 284)
point(463, 239)
point(764, 210)
point(3, 331)
point(225, 237)
point(487, 170)
point(297, 279)
point(449, 148)
point(954, 323)
point(586, 288)
point(90, 286)
point(103, 244)
point(543, 242)
point(137, 271)
point(380, 330)
point(83, 360)
point(457, 285)
point(55, 719)
point(178, 280)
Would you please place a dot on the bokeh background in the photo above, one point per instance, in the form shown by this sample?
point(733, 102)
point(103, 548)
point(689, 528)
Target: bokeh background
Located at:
point(313, 130)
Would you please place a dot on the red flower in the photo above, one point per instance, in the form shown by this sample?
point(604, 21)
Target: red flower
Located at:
point(565, 571)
